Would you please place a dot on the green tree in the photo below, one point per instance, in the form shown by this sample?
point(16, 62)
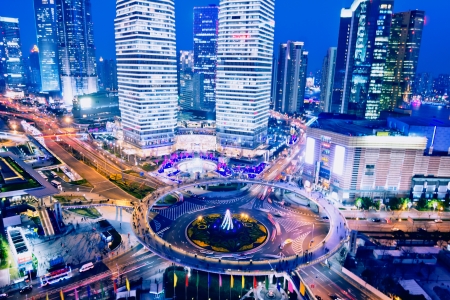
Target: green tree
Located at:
point(422, 203)
point(394, 203)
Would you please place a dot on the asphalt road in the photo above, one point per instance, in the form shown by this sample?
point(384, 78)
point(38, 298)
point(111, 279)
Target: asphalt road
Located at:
point(101, 184)
point(134, 264)
point(326, 282)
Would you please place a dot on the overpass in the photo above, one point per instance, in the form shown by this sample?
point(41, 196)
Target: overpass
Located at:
point(333, 241)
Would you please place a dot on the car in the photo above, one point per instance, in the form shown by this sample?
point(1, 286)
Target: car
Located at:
point(3, 296)
point(318, 297)
point(334, 297)
point(438, 221)
point(377, 220)
point(395, 229)
point(26, 289)
point(325, 218)
point(421, 229)
point(86, 267)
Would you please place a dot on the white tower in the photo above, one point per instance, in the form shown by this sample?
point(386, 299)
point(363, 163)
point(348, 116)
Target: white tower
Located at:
point(227, 223)
point(147, 73)
point(244, 72)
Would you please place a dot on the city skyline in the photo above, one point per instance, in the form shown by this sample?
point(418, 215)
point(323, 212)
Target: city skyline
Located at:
point(318, 38)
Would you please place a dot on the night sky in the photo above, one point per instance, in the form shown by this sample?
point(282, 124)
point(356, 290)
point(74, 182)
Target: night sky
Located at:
point(315, 22)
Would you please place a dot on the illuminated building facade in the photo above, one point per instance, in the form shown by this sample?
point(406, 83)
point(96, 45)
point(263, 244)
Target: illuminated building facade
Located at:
point(147, 73)
point(47, 42)
point(351, 159)
point(326, 86)
point(107, 74)
point(291, 77)
point(244, 65)
point(34, 70)
point(402, 58)
point(364, 32)
point(11, 64)
point(206, 21)
point(76, 48)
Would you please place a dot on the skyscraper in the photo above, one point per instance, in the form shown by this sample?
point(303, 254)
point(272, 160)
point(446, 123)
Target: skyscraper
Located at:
point(107, 74)
point(402, 58)
point(47, 41)
point(423, 84)
point(11, 65)
point(291, 77)
point(205, 50)
point(147, 73)
point(185, 66)
point(33, 68)
point(441, 85)
point(326, 87)
point(364, 32)
point(76, 48)
point(244, 65)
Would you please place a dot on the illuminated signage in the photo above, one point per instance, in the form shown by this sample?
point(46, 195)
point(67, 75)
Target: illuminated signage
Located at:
point(339, 159)
point(85, 102)
point(310, 147)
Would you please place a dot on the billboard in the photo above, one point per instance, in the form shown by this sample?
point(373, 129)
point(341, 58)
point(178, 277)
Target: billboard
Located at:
point(310, 148)
point(339, 159)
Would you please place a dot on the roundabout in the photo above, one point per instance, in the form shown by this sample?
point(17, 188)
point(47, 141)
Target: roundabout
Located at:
point(258, 231)
point(227, 233)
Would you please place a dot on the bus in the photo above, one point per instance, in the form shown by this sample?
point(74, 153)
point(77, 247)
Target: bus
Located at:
point(56, 184)
point(56, 276)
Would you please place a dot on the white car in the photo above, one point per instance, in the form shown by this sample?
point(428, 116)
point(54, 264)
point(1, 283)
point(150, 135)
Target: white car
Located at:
point(438, 221)
point(395, 229)
point(86, 267)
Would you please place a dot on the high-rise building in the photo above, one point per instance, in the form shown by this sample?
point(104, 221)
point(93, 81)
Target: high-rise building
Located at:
point(244, 65)
point(326, 87)
point(205, 51)
point(441, 85)
point(76, 48)
point(107, 74)
point(402, 58)
point(291, 77)
point(33, 70)
point(147, 73)
point(47, 42)
point(318, 77)
point(185, 68)
point(423, 85)
point(185, 89)
point(364, 32)
point(11, 64)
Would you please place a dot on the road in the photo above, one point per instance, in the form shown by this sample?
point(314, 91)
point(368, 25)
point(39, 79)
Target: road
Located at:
point(101, 184)
point(324, 282)
point(134, 264)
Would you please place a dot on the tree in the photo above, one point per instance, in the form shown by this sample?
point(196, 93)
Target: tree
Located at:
point(394, 203)
point(422, 203)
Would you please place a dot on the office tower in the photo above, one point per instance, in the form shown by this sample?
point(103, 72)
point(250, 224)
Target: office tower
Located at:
point(107, 74)
point(318, 77)
point(326, 87)
point(273, 90)
point(402, 58)
point(441, 85)
point(47, 41)
point(423, 85)
point(147, 73)
point(185, 91)
point(244, 65)
point(364, 32)
point(33, 68)
point(11, 65)
point(291, 77)
point(185, 67)
point(205, 50)
point(76, 48)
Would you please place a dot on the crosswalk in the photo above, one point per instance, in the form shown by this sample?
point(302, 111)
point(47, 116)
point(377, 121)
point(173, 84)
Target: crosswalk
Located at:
point(290, 225)
point(224, 201)
point(249, 205)
point(161, 232)
point(275, 210)
point(175, 211)
point(294, 211)
point(297, 244)
point(157, 225)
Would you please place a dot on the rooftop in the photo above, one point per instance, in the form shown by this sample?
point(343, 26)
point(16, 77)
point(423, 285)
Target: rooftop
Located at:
point(352, 127)
point(420, 121)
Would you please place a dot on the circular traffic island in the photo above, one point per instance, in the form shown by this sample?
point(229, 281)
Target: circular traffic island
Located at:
point(229, 233)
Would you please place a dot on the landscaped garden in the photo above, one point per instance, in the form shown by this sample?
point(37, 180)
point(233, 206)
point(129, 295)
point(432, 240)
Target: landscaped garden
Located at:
point(247, 233)
point(168, 200)
point(30, 181)
point(135, 189)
